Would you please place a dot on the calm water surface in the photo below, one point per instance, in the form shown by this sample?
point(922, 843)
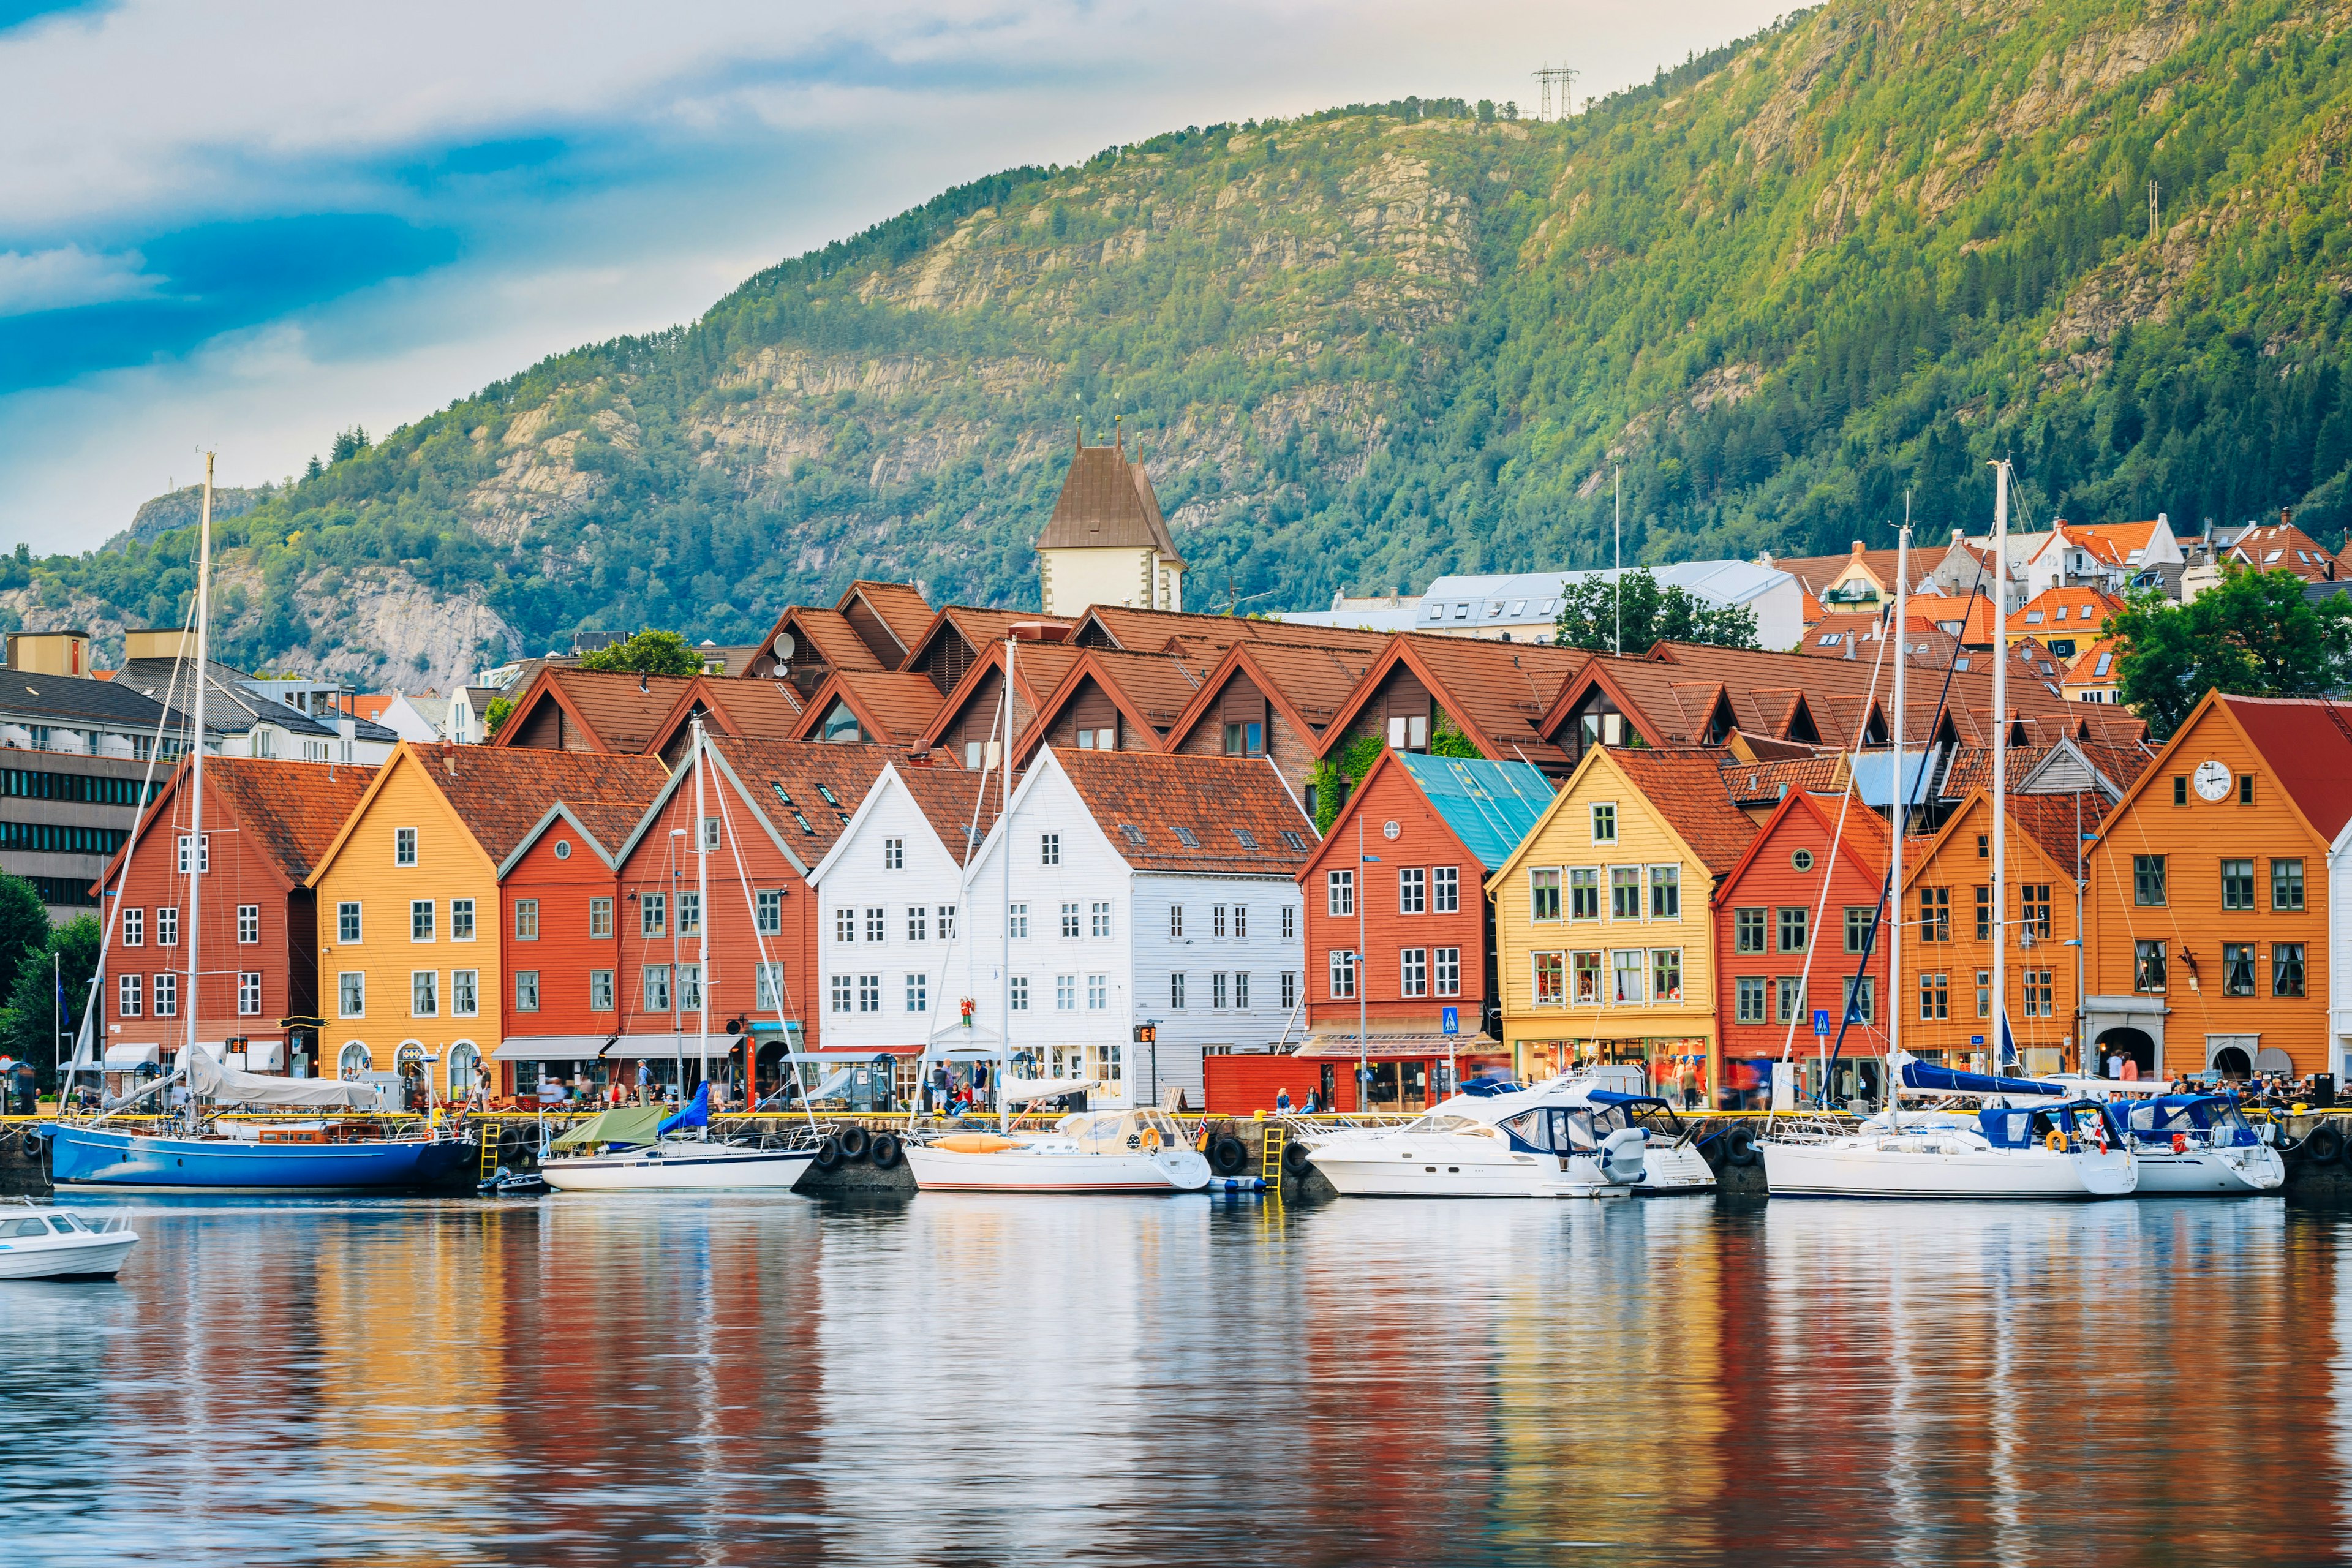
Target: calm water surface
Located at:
point(596, 1379)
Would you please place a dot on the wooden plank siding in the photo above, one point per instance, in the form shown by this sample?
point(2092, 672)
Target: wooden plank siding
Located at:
point(559, 877)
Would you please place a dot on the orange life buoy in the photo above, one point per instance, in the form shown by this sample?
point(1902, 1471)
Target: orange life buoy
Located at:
point(2055, 1142)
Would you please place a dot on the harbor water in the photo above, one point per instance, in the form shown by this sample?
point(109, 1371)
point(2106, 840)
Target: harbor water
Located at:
point(616, 1379)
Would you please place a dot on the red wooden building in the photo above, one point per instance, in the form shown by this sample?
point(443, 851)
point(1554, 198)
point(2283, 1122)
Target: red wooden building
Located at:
point(1773, 921)
point(266, 825)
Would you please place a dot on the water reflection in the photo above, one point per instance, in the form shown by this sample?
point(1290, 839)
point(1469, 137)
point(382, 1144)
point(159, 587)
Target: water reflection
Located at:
point(726, 1381)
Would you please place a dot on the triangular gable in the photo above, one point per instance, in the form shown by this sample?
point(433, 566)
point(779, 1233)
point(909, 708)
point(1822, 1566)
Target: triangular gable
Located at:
point(820, 703)
point(154, 815)
point(2156, 769)
point(1797, 800)
point(1210, 699)
point(1959, 822)
point(406, 754)
point(1348, 808)
point(1596, 675)
point(560, 812)
point(682, 777)
point(545, 688)
point(1066, 691)
point(1400, 651)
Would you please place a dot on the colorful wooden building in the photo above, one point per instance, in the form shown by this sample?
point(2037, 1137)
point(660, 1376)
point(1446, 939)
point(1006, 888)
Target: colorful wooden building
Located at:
point(1602, 921)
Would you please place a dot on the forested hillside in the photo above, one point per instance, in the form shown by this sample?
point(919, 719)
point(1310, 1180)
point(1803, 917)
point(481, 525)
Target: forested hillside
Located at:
point(1779, 287)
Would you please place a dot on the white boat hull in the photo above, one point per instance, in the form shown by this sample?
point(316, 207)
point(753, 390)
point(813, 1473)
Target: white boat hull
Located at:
point(1032, 1170)
point(681, 1167)
point(1670, 1171)
point(2258, 1169)
point(1866, 1167)
point(90, 1255)
point(1441, 1166)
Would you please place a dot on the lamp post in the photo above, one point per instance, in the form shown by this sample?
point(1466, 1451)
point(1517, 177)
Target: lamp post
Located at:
point(1363, 1043)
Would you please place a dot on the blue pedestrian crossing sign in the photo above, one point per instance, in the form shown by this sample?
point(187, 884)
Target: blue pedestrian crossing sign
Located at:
point(1821, 1020)
point(1449, 1020)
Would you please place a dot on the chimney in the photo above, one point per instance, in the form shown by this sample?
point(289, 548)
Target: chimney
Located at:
point(449, 755)
point(1857, 549)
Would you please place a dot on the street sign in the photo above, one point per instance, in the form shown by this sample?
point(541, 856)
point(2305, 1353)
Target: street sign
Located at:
point(1821, 1020)
point(1145, 1034)
point(1449, 1020)
point(1976, 1039)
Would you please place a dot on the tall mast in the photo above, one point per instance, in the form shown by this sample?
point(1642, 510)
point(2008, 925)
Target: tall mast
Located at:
point(2000, 763)
point(702, 907)
point(196, 767)
point(1900, 816)
point(1005, 904)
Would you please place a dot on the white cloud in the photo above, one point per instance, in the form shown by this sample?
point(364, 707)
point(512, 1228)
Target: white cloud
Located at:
point(68, 275)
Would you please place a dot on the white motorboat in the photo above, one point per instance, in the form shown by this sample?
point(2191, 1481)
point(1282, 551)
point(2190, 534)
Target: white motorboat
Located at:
point(1564, 1138)
point(2044, 1151)
point(2198, 1144)
point(1139, 1151)
point(674, 1164)
point(40, 1243)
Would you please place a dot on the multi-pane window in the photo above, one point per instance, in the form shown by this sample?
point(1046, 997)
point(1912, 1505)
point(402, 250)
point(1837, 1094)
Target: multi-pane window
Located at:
point(1339, 892)
point(876, 923)
point(2147, 881)
point(946, 914)
point(1748, 931)
point(1412, 971)
point(1241, 990)
point(1604, 823)
point(167, 925)
point(2041, 996)
point(2287, 884)
point(1097, 993)
point(248, 994)
point(2237, 884)
point(1016, 920)
point(1584, 978)
point(526, 920)
point(1543, 895)
point(1217, 991)
point(1792, 929)
point(1934, 995)
point(768, 988)
point(1241, 920)
point(1935, 915)
point(869, 994)
point(204, 855)
point(403, 847)
point(466, 994)
point(919, 921)
point(129, 1002)
point(2147, 965)
point(461, 920)
point(1984, 993)
point(689, 986)
point(424, 993)
point(1175, 992)
point(1216, 919)
point(768, 911)
point(1549, 976)
point(1984, 913)
point(248, 923)
point(167, 996)
point(1449, 971)
point(1859, 998)
point(655, 987)
point(1413, 890)
point(1289, 922)
point(653, 915)
point(1625, 975)
point(1175, 920)
point(600, 990)
point(526, 989)
point(347, 922)
point(1625, 892)
point(1343, 974)
point(420, 920)
point(710, 835)
point(845, 925)
point(1665, 892)
point(1289, 989)
point(2286, 969)
point(1020, 993)
point(1665, 974)
point(2237, 969)
point(1789, 998)
point(1858, 918)
point(350, 995)
point(894, 854)
point(1748, 999)
point(1584, 893)
point(843, 987)
point(1066, 992)
point(135, 928)
point(918, 994)
point(1099, 918)
point(1446, 890)
point(689, 912)
point(1070, 918)
point(2033, 911)
point(1049, 850)
point(600, 918)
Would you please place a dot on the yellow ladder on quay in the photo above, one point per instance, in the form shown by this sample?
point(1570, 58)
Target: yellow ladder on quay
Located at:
point(488, 1132)
point(1269, 1163)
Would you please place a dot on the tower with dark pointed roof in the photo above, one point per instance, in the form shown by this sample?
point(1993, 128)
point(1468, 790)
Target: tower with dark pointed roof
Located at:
point(1106, 543)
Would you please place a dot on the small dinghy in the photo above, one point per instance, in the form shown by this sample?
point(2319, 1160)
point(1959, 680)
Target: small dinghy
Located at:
point(41, 1243)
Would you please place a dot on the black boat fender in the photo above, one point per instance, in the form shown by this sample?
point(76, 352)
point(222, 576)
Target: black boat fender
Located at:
point(1226, 1156)
point(852, 1141)
point(828, 1154)
point(2326, 1144)
point(883, 1151)
point(1295, 1162)
point(1739, 1146)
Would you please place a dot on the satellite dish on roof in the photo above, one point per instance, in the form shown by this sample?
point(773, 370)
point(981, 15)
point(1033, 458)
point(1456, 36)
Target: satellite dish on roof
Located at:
point(784, 644)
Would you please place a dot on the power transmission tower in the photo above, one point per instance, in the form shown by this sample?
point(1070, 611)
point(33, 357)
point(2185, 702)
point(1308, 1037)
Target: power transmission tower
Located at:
point(1555, 83)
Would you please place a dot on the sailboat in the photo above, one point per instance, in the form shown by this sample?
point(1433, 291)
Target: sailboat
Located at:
point(2027, 1139)
point(206, 1152)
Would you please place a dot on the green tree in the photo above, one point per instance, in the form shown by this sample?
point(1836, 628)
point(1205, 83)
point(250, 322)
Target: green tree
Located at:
point(2255, 635)
point(1590, 610)
point(500, 710)
point(25, 923)
point(31, 1023)
point(647, 653)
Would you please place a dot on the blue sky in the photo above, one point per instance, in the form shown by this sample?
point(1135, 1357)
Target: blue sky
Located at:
point(251, 223)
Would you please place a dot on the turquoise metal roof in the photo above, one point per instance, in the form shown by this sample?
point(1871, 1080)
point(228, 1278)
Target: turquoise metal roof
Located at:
point(1490, 807)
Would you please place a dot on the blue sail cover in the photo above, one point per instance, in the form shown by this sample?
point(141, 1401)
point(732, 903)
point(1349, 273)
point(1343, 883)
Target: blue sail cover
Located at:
point(1927, 1076)
point(696, 1114)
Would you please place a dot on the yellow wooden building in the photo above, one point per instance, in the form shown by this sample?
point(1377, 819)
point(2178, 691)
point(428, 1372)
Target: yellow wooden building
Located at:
point(410, 935)
point(1603, 922)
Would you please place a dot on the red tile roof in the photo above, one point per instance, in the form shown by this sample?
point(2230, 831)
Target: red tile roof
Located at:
point(2283, 547)
point(292, 812)
point(946, 797)
point(1218, 800)
point(501, 794)
point(2049, 820)
point(2307, 742)
point(790, 781)
point(1759, 782)
point(2057, 612)
point(1153, 631)
point(900, 606)
point(1313, 682)
point(622, 712)
point(1686, 789)
point(895, 706)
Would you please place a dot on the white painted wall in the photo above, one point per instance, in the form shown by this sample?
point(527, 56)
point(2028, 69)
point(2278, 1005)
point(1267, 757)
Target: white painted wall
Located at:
point(1200, 955)
point(2339, 956)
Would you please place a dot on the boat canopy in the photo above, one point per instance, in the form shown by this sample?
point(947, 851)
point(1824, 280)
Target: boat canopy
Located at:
point(208, 1079)
point(1931, 1078)
point(626, 1124)
point(2012, 1126)
point(1020, 1090)
point(2217, 1115)
point(696, 1114)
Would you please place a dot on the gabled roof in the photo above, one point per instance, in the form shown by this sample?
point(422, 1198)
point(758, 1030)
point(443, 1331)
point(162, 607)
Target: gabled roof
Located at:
point(503, 797)
point(1308, 685)
point(979, 628)
point(1107, 502)
point(1037, 670)
point(2283, 547)
point(895, 706)
point(1159, 631)
point(1816, 573)
point(1763, 782)
point(290, 812)
point(1686, 789)
point(801, 794)
point(2307, 742)
point(1149, 689)
point(755, 706)
point(1236, 810)
point(829, 635)
point(947, 796)
point(619, 712)
point(1491, 806)
point(2085, 668)
point(2055, 611)
point(1862, 841)
point(2046, 822)
point(1972, 613)
point(899, 607)
point(1496, 691)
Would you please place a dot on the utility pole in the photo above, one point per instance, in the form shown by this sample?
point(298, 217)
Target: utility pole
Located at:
point(2152, 229)
point(1618, 645)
